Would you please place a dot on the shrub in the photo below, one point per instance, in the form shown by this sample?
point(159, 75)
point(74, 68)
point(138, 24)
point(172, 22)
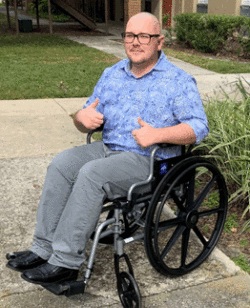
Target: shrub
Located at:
point(243, 37)
point(165, 18)
point(207, 32)
point(228, 144)
point(169, 30)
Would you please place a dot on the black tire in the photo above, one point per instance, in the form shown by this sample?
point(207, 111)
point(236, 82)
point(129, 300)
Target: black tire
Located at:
point(185, 217)
point(128, 291)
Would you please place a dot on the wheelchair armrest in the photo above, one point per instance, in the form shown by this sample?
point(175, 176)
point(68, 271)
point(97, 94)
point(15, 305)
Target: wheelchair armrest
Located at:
point(150, 176)
point(151, 167)
point(183, 147)
point(98, 129)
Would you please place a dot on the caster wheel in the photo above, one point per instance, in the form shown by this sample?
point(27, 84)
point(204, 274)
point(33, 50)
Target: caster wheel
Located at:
point(128, 291)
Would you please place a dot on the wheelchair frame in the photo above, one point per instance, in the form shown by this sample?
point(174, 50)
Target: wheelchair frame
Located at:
point(145, 208)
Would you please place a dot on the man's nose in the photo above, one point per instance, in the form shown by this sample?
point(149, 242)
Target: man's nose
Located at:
point(136, 41)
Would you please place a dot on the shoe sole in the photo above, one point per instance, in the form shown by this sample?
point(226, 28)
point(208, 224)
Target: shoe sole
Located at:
point(14, 269)
point(71, 277)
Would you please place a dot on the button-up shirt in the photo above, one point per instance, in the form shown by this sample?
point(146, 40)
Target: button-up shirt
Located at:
point(163, 97)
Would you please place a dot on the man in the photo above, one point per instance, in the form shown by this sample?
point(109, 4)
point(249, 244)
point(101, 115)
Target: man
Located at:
point(141, 101)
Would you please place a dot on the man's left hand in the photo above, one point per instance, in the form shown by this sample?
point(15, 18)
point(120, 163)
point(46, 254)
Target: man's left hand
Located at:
point(146, 135)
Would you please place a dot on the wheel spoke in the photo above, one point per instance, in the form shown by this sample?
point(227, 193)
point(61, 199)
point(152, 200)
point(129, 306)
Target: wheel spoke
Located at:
point(196, 192)
point(190, 192)
point(128, 294)
point(168, 224)
point(204, 193)
point(179, 202)
point(185, 241)
point(211, 212)
point(128, 290)
point(200, 236)
point(177, 233)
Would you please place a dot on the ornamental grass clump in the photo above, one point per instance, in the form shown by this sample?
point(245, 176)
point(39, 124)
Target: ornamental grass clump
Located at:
point(228, 145)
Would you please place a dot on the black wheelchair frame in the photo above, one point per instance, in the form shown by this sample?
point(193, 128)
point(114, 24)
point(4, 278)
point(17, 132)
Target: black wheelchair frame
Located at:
point(179, 212)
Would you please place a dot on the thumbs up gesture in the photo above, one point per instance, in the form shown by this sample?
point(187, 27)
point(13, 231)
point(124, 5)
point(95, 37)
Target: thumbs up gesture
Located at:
point(145, 135)
point(90, 118)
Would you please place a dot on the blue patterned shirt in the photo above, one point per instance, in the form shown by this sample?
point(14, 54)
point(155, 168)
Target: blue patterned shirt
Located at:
point(164, 97)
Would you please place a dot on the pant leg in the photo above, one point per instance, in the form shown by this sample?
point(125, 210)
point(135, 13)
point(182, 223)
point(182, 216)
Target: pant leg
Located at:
point(106, 177)
point(60, 178)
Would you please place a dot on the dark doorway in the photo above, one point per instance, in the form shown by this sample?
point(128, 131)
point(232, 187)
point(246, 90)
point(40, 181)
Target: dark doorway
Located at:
point(148, 6)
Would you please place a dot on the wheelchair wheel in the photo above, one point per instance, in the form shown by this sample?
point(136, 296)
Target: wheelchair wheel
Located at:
point(128, 291)
point(186, 217)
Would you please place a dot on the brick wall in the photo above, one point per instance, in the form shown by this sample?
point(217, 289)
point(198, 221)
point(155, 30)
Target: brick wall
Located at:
point(131, 7)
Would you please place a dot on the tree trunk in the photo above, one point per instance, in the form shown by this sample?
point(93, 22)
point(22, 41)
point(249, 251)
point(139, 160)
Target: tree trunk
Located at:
point(106, 15)
point(16, 17)
point(37, 15)
point(8, 13)
point(50, 18)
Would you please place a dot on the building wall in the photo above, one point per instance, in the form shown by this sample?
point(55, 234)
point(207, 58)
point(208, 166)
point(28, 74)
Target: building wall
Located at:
point(188, 6)
point(178, 7)
point(227, 7)
point(167, 9)
point(132, 7)
point(156, 9)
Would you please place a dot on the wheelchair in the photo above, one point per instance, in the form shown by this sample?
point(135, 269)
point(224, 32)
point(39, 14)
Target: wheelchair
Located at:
point(179, 212)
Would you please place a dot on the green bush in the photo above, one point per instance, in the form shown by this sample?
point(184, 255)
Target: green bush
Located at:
point(207, 32)
point(165, 18)
point(228, 144)
point(243, 39)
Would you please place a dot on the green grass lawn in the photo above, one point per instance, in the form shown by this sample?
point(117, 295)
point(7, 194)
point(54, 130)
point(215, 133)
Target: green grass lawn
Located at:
point(47, 66)
point(44, 66)
point(218, 66)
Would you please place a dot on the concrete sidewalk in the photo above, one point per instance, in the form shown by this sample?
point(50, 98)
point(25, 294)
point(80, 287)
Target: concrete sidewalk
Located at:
point(32, 132)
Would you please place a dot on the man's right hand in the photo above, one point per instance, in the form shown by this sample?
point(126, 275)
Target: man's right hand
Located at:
point(89, 117)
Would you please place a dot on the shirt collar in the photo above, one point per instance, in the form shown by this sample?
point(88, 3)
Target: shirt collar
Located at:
point(159, 66)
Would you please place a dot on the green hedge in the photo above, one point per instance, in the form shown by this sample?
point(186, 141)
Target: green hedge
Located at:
point(209, 32)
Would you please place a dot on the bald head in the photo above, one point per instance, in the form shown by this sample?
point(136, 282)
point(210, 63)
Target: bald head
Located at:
point(143, 55)
point(146, 20)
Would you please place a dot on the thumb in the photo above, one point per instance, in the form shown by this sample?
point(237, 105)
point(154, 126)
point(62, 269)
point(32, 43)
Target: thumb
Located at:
point(141, 122)
point(95, 103)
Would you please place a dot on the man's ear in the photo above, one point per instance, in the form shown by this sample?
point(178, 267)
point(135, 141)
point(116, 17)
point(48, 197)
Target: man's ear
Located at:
point(161, 41)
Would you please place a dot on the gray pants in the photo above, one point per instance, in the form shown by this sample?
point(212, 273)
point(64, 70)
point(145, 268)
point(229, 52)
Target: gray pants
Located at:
point(78, 181)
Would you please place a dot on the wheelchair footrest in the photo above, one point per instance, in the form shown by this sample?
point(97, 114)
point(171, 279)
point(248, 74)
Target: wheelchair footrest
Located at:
point(66, 288)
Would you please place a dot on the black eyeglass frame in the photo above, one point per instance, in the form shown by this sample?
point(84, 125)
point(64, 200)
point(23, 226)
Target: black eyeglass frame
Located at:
point(137, 36)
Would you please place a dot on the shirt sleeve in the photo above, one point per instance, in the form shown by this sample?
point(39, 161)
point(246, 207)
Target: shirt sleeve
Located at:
point(98, 92)
point(188, 108)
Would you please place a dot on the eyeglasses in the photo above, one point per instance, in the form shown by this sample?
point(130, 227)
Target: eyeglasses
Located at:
point(143, 38)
